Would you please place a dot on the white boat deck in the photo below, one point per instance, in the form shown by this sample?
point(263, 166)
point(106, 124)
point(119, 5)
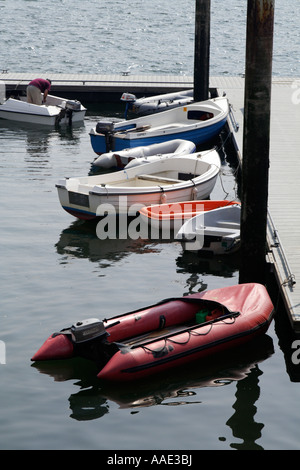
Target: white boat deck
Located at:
point(284, 188)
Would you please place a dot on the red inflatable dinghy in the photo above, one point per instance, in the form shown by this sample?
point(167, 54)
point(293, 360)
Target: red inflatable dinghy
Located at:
point(170, 333)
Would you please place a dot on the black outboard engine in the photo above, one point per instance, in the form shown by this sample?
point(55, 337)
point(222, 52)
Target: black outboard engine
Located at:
point(106, 128)
point(88, 329)
point(70, 107)
point(89, 338)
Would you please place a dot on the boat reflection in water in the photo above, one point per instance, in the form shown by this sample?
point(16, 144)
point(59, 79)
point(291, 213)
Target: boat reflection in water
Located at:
point(177, 388)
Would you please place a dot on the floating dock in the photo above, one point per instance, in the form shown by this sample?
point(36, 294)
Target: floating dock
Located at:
point(283, 226)
point(99, 88)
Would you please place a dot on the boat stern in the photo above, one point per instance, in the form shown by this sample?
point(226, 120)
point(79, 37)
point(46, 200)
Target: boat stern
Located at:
point(100, 136)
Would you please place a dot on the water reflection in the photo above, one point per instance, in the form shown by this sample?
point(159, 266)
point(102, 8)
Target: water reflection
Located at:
point(288, 338)
point(242, 421)
point(196, 266)
point(179, 388)
point(37, 141)
point(79, 240)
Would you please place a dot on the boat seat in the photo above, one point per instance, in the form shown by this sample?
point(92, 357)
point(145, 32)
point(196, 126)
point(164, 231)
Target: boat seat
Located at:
point(157, 334)
point(225, 224)
point(218, 231)
point(174, 125)
point(135, 129)
point(159, 179)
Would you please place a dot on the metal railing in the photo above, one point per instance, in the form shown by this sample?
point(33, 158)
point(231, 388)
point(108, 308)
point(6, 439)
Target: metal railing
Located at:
point(290, 279)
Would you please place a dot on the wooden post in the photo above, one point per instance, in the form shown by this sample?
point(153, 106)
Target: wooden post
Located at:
point(201, 57)
point(256, 143)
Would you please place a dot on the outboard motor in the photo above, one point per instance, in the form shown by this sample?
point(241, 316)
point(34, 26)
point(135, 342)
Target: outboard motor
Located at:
point(90, 341)
point(68, 108)
point(85, 330)
point(74, 105)
point(129, 98)
point(106, 128)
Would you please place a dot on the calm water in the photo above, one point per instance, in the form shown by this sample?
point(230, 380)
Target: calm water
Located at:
point(54, 270)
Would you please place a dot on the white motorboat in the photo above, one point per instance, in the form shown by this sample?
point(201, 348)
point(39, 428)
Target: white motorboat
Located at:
point(216, 231)
point(140, 155)
point(54, 112)
point(166, 180)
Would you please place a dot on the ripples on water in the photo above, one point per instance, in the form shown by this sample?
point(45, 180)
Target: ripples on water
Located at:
point(54, 270)
point(153, 36)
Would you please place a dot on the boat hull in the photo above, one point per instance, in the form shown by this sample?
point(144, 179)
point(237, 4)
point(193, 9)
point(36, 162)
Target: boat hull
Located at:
point(55, 112)
point(216, 231)
point(127, 191)
point(163, 216)
point(151, 340)
point(162, 127)
point(199, 136)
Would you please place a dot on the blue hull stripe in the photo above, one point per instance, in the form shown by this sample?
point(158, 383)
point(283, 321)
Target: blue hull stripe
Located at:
point(198, 136)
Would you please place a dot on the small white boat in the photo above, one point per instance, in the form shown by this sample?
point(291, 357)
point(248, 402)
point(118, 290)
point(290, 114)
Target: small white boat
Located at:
point(197, 122)
point(54, 112)
point(216, 231)
point(157, 103)
point(173, 216)
point(167, 180)
point(140, 155)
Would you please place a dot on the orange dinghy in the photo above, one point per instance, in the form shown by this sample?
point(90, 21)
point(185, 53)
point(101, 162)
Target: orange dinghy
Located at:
point(171, 333)
point(164, 216)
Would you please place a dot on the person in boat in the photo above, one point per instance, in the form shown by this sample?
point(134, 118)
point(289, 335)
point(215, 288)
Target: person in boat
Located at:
point(35, 89)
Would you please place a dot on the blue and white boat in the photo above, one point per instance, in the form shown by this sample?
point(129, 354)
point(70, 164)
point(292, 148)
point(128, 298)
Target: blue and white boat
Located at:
point(197, 122)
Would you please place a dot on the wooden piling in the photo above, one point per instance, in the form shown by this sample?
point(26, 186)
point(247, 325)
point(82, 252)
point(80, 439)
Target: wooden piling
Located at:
point(256, 140)
point(202, 47)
